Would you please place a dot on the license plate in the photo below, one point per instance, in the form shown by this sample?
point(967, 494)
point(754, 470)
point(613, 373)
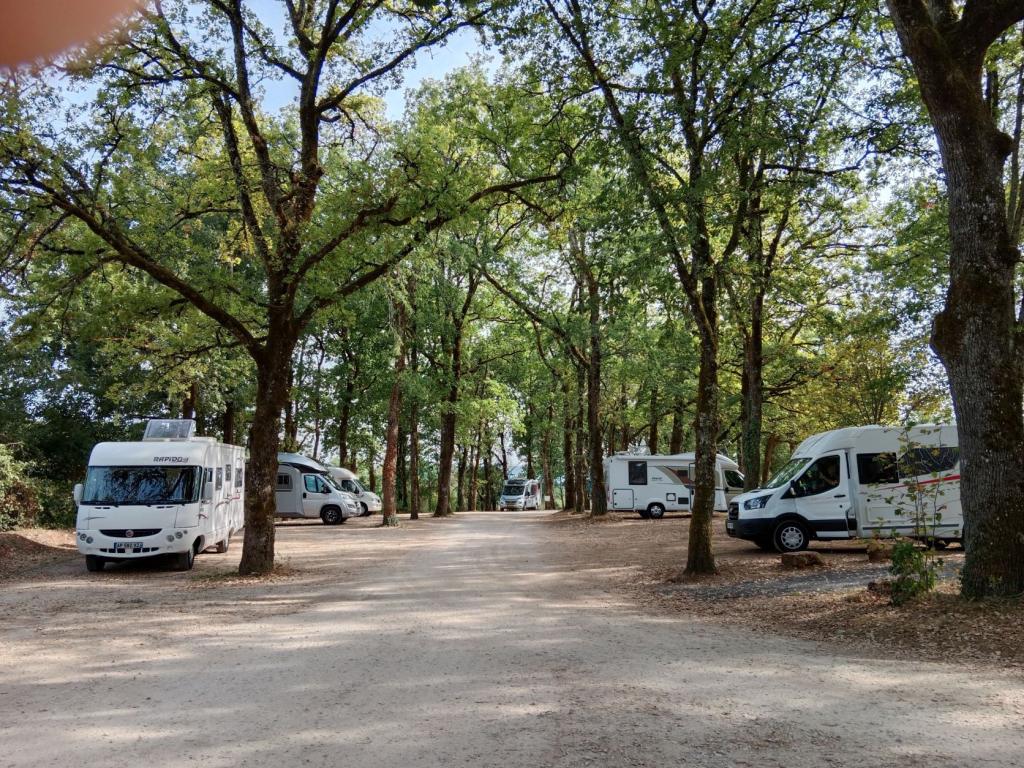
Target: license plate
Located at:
point(728, 526)
point(131, 546)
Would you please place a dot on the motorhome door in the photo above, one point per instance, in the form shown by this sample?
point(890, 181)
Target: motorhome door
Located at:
point(822, 495)
point(314, 493)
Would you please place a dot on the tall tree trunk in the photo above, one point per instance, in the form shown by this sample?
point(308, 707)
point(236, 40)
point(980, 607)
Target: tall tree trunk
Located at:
point(414, 463)
point(545, 459)
point(474, 477)
point(678, 417)
point(652, 438)
point(769, 456)
point(343, 422)
point(260, 505)
point(568, 454)
point(488, 496)
point(976, 334)
point(291, 427)
point(402, 470)
point(460, 481)
point(580, 503)
point(598, 502)
point(228, 427)
point(371, 466)
point(389, 471)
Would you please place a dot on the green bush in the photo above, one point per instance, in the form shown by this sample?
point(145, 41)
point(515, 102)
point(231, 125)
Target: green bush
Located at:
point(56, 504)
point(915, 572)
point(18, 502)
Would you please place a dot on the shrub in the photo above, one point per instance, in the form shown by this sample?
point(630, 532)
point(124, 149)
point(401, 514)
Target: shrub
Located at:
point(18, 502)
point(915, 572)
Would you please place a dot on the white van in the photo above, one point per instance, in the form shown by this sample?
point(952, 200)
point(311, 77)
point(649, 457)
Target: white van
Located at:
point(171, 494)
point(304, 489)
point(855, 483)
point(519, 493)
point(654, 485)
point(346, 480)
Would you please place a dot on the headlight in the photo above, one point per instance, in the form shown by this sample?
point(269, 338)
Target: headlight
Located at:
point(757, 503)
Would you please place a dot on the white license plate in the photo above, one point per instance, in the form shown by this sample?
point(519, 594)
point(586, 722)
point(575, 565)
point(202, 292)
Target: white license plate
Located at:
point(728, 525)
point(129, 545)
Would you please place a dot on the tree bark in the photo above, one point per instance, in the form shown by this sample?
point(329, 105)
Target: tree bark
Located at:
point(568, 431)
point(976, 335)
point(228, 423)
point(460, 481)
point(598, 502)
point(389, 471)
point(678, 418)
point(652, 437)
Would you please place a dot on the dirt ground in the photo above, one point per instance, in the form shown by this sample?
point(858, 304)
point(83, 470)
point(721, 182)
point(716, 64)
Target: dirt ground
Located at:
point(645, 560)
point(484, 640)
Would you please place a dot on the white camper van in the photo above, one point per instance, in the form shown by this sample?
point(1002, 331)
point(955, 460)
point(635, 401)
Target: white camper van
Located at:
point(171, 494)
point(855, 483)
point(654, 485)
point(305, 490)
point(346, 480)
point(519, 493)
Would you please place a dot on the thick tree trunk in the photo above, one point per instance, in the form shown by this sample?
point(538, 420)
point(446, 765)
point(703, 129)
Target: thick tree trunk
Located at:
point(976, 334)
point(769, 456)
point(545, 459)
point(343, 422)
point(580, 504)
point(389, 471)
point(676, 438)
point(402, 470)
point(598, 502)
point(371, 467)
point(414, 463)
point(460, 481)
point(568, 431)
point(652, 437)
point(474, 474)
point(264, 440)
point(753, 396)
point(228, 427)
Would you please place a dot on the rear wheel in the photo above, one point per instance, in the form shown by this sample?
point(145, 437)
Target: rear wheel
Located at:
point(656, 511)
point(224, 546)
point(94, 563)
point(791, 536)
point(330, 515)
point(645, 514)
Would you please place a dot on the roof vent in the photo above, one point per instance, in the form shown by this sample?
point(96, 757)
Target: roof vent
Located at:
point(170, 429)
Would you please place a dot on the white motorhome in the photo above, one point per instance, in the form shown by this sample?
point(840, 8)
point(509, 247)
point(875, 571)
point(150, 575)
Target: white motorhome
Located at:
point(347, 480)
point(172, 493)
point(855, 483)
point(304, 489)
point(520, 493)
point(654, 485)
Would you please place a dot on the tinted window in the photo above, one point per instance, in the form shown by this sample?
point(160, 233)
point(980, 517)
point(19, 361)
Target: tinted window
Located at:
point(733, 479)
point(638, 473)
point(141, 485)
point(227, 473)
point(220, 478)
point(284, 481)
point(876, 468)
point(238, 475)
point(349, 486)
point(821, 476)
point(928, 460)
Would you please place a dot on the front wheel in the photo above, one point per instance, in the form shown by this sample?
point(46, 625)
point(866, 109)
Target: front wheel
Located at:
point(366, 509)
point(656, 511)
point(94, 564)
point(791, 536)
point(330, 515)
point(186, 559)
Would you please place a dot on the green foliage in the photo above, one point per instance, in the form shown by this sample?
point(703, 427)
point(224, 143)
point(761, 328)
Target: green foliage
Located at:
point(18, 504)
point(914, 570)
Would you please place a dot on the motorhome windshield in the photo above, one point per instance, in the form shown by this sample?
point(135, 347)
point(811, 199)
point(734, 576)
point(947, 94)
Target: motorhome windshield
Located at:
point(513, 488)
point(787, 473)
point(142, 485)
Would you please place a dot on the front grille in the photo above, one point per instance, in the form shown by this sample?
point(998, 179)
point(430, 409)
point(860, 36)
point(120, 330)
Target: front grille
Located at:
point(113, 551)
point(137, 533)
point(734, 510)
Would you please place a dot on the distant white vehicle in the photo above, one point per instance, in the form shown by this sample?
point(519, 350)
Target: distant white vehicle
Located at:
point(520, 493)
point(854, 483)
point(172, 493)
point(654, 485)
point(305, 489)
point(347, 480)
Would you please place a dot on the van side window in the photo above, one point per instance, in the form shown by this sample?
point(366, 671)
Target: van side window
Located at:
point(821, 476)
point(927, 460)
point(733, 479)
point(284, 483)
point(315, 484)
point(638, 473)
point(220, 478)
point(349, 486)
point(877, 469)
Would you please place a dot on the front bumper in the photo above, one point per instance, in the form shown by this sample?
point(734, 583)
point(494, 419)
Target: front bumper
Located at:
point(93, 542)
point(750, 529)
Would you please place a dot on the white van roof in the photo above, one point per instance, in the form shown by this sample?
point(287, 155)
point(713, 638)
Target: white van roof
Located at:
point(876, 438)
point(150, 453)
point(690, 457)
point(301, 462)
point(342, 473)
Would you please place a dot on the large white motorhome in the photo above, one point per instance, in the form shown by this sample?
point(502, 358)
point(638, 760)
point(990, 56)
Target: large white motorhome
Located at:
point(305, 490)
point(172, 493)
point(520, 493)
point(855, 483)
point(347, 480)
point(654, 485)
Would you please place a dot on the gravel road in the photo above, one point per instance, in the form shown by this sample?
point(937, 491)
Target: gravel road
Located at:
point(461, 642)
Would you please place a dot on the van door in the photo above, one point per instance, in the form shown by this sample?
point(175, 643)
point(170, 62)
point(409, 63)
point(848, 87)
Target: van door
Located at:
point(314, 495)
point(822, 496)
point(286, 495)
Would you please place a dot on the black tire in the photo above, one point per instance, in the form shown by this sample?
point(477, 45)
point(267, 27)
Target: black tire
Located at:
point(366, 510)
point(224, 546)
point(645, 514)
point(331, 516)
point(656, 511)
point(185, 560)
point(790, 536)
point(94, 563)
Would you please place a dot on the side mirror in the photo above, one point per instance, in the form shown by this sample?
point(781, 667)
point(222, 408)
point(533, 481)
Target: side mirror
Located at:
point(208, 491)
point(77, 493)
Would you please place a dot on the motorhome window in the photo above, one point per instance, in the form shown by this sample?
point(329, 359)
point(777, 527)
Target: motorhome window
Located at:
point(348, 485)
point(877, 469)
point(928, 460)
point(220, 478)
point(227, 473)
point(142, 485)
point(789, 470)
point(821, 476)
point(638, 473)
point(514, 488)
point(284, 482)
point(238, 476)
point(733, 479)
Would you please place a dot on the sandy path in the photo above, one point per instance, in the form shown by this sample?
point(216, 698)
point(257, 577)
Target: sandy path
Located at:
point(452, 643)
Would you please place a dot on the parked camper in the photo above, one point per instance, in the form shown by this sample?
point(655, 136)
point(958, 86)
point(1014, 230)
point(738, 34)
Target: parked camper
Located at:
point(173, 493)
point(520, 493)
point(305, 490)
point(855, 483)
point(346, 480)
point(654, 485)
